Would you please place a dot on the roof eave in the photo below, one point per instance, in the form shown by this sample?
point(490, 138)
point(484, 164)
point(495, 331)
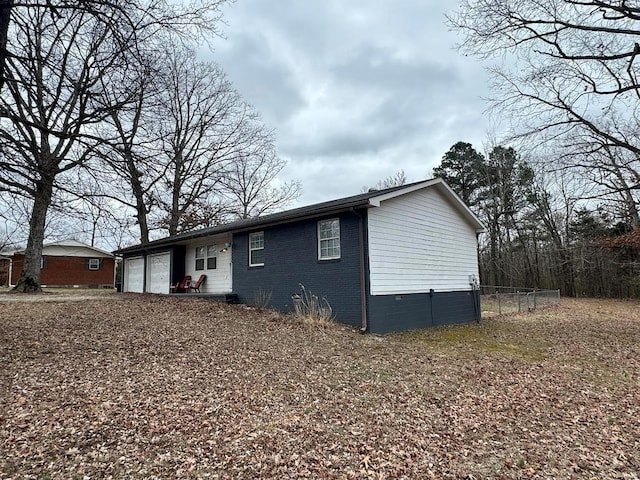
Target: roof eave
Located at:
point(232, 228)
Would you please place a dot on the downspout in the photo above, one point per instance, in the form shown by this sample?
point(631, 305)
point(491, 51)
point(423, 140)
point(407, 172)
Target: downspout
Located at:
point(475, 288)
point(9, 284)
point(363, 284)
point(115, 273)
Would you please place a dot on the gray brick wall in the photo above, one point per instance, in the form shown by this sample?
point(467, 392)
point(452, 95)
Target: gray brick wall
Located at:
point(291, 258)
point(394, 313)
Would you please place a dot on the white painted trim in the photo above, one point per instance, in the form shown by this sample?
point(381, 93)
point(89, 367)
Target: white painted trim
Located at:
point(250, 249)
point(203, 246)
point(10, 273)
point(206, 257)
point(445, 189)
point(320, 257)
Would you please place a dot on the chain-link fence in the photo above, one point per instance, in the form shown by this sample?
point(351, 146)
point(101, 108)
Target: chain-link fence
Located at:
point(495, 300)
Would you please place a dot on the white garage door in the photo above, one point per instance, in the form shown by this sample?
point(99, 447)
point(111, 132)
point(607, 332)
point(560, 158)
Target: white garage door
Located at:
point(134, 275)
point(158, 267)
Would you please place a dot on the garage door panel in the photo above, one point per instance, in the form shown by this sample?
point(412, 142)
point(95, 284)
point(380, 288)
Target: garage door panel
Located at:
point(134, 275)
point(158, 270)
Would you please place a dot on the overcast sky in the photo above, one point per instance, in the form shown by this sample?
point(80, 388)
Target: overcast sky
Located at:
point(355, 90)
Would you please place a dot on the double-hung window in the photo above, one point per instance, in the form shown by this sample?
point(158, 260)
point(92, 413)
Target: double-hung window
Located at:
point(256, 249)
point(93, 264)
point(329, 239)
point(200, 257)
point(212, 258)
point(206, 257)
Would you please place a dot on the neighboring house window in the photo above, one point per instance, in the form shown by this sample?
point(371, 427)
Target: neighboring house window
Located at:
point(211, 257)
point(206, 256)
point(43, 262)
point(256, 249)
point(200, 256)
point(94, 264)
point(329, 239)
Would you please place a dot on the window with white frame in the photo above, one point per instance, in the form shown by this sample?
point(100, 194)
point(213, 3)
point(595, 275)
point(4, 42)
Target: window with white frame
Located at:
point(94, 264)
point(329, 239)
point(206, 256)
point(200, 256)
point(212, 259)
point(256, 249)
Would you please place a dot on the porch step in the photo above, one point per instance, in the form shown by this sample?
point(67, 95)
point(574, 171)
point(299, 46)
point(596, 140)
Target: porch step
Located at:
point(231, 298)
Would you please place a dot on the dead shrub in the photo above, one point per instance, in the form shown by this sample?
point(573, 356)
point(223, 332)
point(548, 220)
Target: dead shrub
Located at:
point(262, 298)
point(311, 308)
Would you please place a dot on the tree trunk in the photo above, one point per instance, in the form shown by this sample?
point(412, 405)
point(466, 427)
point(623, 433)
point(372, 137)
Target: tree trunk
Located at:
point(176, 190)
point(29, 281)
point(141, 206)
point(5, 18)
point(141, 216)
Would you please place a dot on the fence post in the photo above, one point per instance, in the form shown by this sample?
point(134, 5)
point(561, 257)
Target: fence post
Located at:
point(535, 303)
point(499, 306)
point(518, 297)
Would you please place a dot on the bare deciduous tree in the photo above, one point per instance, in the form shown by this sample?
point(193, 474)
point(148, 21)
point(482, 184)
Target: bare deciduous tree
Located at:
point(250, 181)
point(57, 56)
point(397, 179)
point(198, 121)
point(5, 19)
point(570, 71)
point(219, 159)
point(129, 155)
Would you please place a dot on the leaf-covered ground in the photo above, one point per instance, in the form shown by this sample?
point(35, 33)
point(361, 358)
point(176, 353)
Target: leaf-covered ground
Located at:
point(157, 387)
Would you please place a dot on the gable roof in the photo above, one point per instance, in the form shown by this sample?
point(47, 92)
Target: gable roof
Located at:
point(372, 198)
point(70, 248)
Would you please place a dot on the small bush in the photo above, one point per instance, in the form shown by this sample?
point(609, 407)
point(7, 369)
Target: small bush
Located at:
point(311, 308)
point(262, 298)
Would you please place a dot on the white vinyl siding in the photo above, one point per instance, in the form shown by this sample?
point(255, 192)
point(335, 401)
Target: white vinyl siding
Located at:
point(329, 239)
point(217, 252)
point(418, 242)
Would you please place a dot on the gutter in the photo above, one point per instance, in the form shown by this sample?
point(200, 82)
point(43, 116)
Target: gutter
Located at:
point(364, 326)
point(241, 226)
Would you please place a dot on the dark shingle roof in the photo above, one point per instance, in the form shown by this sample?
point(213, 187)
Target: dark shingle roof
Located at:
point(315, 210)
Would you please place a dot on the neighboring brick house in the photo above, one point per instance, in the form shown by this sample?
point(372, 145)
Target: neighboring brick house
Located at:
point(5, 263)
point(68, 263)
point(387, 260)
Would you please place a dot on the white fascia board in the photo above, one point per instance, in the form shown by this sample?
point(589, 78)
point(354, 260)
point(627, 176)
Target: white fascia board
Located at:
point(444, 188)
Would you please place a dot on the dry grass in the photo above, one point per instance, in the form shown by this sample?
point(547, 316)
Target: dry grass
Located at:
point(158, 387)
point(311, 309)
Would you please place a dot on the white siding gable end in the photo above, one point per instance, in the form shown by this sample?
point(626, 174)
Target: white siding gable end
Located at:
point(418, 241)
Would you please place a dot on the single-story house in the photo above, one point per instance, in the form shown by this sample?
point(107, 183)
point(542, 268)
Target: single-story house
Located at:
point(67, 263)
point(386, 260)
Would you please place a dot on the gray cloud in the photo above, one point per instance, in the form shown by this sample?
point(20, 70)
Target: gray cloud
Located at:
point(355, 90)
